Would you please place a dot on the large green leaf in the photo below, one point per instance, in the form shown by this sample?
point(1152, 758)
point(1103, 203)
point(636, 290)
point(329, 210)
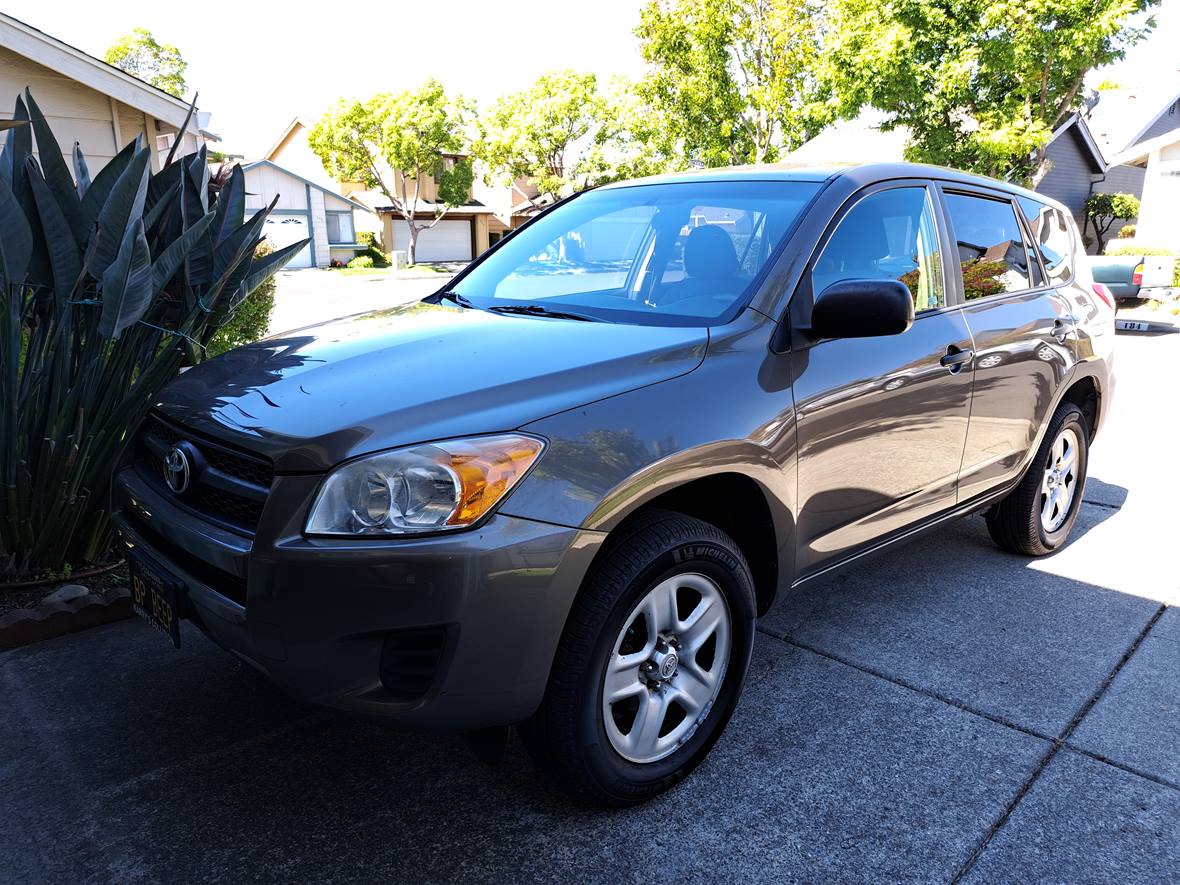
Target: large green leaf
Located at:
point(169, 261)
point(63, 248)
point(122, 207)
point(231, 205)
point(55, 170)
point(81, 172)
point(20, 143)
point(126, 283)
point(104, 182)
point(16, 239)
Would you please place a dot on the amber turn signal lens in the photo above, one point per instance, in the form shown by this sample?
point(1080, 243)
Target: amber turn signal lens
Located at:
point(487, 469)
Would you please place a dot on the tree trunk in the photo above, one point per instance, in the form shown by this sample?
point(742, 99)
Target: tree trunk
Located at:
point(413, 247)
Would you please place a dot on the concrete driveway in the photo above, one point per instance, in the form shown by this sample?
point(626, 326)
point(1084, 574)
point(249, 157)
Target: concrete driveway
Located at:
point(306, 297)
point(947, 713)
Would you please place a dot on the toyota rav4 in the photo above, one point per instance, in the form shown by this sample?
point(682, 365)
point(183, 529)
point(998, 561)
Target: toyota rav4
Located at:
point(558, 492)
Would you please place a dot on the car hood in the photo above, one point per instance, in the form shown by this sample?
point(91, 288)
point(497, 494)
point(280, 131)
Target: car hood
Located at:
point(311, 398)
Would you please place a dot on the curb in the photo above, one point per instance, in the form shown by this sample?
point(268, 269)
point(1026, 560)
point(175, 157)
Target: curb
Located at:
point(27, 625)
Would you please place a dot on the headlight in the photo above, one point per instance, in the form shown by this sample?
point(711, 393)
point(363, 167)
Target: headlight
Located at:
point(426, 488)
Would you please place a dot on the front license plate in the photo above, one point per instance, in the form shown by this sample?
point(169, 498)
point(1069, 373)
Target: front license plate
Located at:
point(155, 597)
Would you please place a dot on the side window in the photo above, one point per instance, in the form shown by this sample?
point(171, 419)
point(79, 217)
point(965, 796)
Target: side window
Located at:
point(991, 247)
point(889, 235)
point(1052, 238)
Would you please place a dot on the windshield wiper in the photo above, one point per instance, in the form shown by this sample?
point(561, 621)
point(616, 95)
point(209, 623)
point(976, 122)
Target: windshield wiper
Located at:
point(540, 310)
point(453, 297)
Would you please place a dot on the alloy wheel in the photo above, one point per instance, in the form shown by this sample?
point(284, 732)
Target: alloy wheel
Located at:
point(1060, 480)
point(666, 667)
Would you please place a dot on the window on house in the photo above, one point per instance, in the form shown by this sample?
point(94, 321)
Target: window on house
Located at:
point(991, 247)
point(340, 228)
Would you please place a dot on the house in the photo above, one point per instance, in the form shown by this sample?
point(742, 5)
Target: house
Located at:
point(305, 210)
point(90, 102)
point(1159, 212)
point(1079, 167)
point(466, 231)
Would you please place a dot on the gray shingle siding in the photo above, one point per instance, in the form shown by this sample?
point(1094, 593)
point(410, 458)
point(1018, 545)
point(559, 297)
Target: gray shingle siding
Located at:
point(1068, 180)
point(1169, 120)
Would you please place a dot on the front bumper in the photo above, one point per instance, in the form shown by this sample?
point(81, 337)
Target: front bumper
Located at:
point(475, 615)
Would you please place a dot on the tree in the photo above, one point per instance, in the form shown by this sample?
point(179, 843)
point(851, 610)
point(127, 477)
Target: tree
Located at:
point(140, 55)
point(392, 143)
point(1103, 210)
point(980, 84)
point(739, 79)
point(565, 134)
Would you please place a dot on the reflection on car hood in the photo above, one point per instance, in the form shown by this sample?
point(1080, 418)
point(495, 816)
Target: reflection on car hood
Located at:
point(311, 398)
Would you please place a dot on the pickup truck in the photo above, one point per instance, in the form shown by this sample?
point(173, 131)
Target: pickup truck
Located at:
point(1130, 276)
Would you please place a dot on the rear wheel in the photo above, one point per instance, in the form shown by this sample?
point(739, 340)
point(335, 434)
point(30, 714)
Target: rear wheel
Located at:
point(1037, 517)
point(651, 662)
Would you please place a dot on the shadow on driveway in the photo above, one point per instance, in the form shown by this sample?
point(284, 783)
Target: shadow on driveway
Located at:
point(910, 704)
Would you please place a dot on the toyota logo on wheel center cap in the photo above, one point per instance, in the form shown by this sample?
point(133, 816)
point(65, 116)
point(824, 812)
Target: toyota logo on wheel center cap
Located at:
point(177, 470)
point(668, 665)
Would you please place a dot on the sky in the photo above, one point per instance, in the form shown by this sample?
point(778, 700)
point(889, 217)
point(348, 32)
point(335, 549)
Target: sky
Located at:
point(257, 65)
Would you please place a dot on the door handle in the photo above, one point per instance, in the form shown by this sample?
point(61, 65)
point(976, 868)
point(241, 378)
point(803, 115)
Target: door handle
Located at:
point(1062, 328)
point(955, 359)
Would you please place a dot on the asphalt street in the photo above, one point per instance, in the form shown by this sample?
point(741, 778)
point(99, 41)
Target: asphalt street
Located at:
point(947, 712)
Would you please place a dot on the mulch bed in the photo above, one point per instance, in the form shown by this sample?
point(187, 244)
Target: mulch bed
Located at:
point(26, 617)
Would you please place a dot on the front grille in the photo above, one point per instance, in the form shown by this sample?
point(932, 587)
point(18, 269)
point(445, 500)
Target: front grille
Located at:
point(409, 661)
point(227, 486)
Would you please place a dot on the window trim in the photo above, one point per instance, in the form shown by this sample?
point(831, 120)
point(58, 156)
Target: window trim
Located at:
point(983, 193)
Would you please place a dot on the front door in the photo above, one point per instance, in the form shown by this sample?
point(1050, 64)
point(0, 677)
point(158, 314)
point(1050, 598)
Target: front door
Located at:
point(881, 421)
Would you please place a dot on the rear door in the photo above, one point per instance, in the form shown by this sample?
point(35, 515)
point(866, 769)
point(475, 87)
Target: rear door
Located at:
point(1024, 332)
point(881, 422)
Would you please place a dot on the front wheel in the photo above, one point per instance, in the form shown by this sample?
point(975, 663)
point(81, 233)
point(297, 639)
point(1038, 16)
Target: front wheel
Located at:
point(1036, 517)
point(651, 663)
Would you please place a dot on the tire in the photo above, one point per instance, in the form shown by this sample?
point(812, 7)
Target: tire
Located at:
point(1019, 522)
point(661, 559)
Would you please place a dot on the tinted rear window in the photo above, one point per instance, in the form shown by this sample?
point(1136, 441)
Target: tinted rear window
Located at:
point(1052, 237)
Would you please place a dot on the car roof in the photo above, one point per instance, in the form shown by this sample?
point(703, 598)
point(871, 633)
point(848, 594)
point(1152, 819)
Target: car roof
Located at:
point(858, 175)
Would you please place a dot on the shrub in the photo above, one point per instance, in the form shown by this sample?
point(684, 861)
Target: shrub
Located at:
point(1103, 210)
point(361, 260)
point(380, 259)
point(1126, 232)
point(252, 318)
point(107, 286)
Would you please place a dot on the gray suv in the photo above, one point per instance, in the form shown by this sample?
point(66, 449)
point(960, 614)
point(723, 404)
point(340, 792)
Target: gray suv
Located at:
point(558, 493)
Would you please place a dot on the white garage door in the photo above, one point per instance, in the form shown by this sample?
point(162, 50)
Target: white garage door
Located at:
point(283, 230)
point(446, 241)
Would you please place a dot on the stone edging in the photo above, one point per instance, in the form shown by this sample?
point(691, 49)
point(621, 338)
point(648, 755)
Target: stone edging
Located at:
point(49, 619)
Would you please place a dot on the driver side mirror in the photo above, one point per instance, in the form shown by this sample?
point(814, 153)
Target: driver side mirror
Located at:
point(862, 309)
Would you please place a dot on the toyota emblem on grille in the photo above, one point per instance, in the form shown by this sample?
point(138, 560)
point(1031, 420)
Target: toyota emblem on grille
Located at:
point(177, 470)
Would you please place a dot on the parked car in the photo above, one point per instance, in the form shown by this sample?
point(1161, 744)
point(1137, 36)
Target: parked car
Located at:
point(1126, 276)
point(559, 492)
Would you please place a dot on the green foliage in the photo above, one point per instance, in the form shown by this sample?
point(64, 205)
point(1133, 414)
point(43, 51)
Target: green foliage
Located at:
point(738, 80)
point(564, 133)
point(140, 55)
point(107, 286)
point(391, 142)
point(1103, 210)
point(980, 84)
point(1126, 232)
point(372, 250)
point(360, 261)
point(1129, 249)
point(251, 319)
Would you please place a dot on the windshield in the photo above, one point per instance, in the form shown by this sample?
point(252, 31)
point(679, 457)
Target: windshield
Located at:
point(660, 254)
